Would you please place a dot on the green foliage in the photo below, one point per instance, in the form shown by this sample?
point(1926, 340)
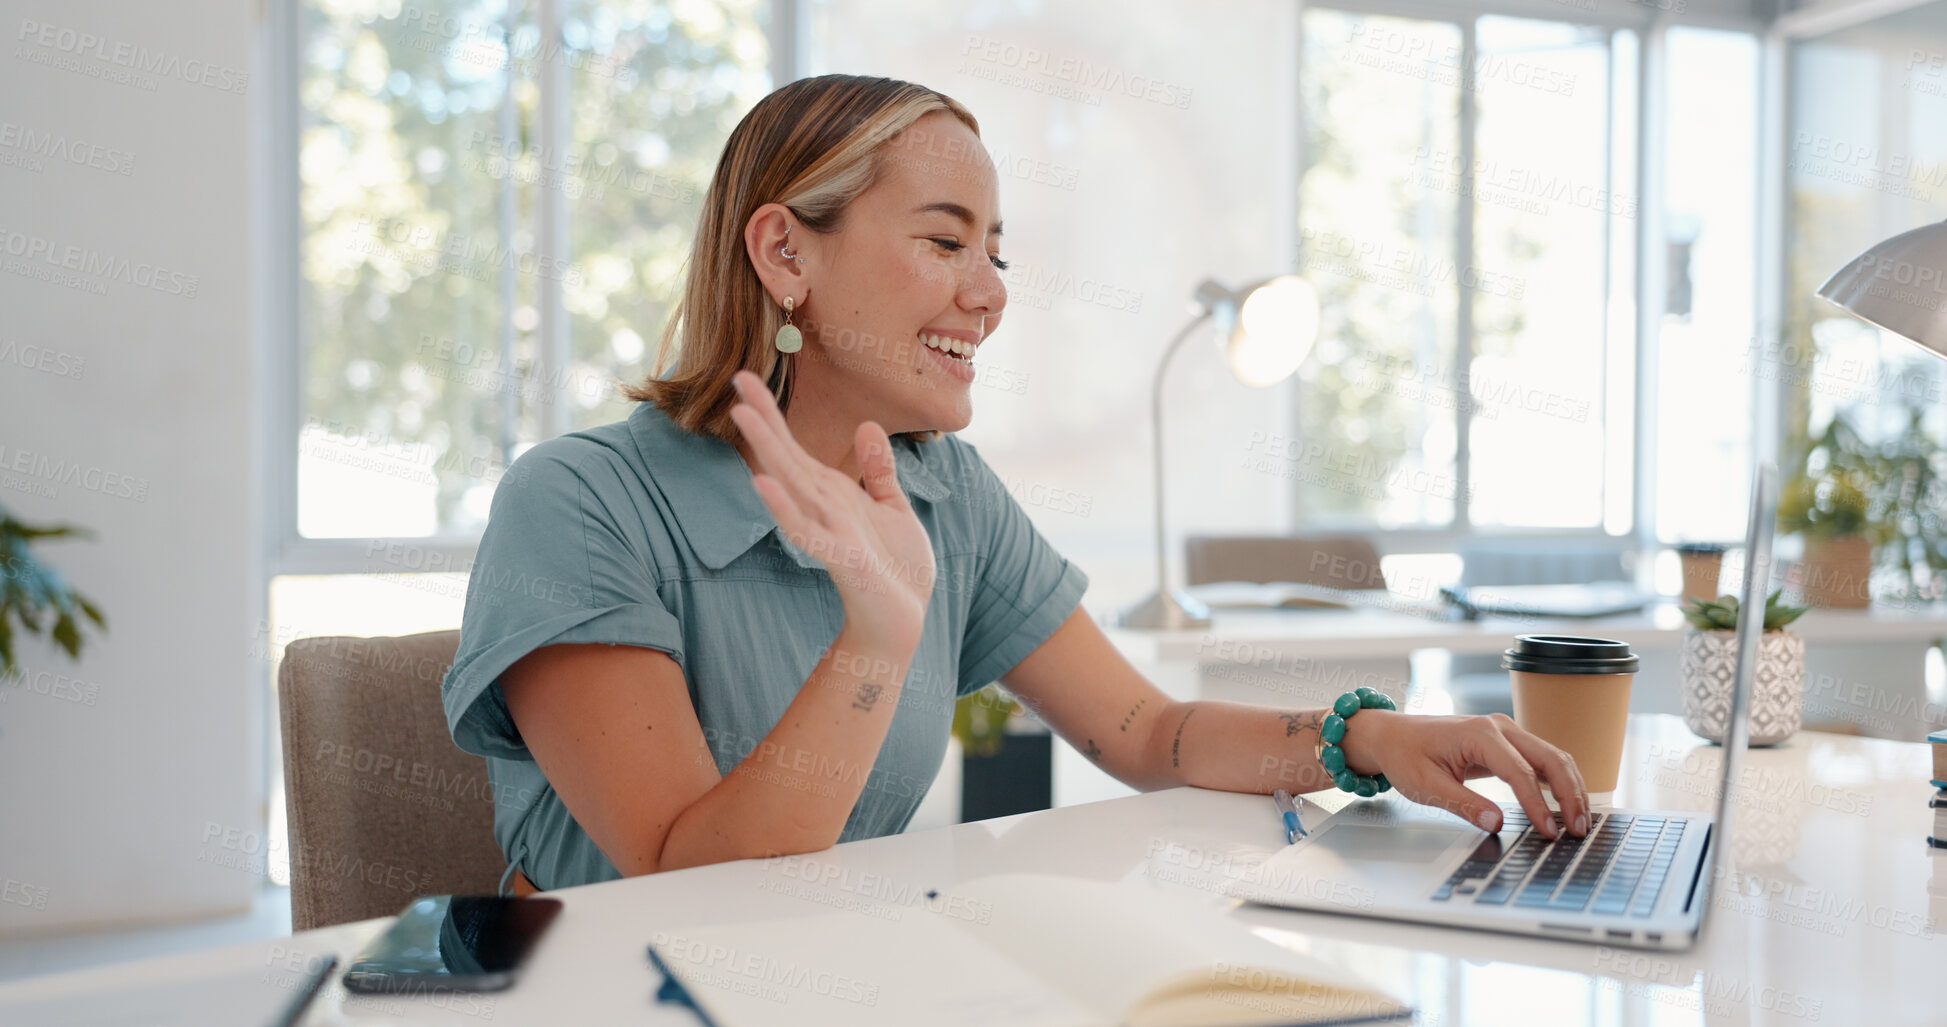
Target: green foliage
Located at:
point(980, 719)
point(1893, 492)
point(1722, 614)
point(30, 589)
point(1826, 497)
point(406, 169)
point(1379, 225)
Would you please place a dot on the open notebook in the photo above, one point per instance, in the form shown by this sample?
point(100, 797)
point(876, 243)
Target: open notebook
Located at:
point(1028, 950)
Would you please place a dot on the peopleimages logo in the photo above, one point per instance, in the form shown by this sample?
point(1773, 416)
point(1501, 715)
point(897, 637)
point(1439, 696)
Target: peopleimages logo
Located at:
point(92, 263)
point(54, 146)
point(79, 45)
point(1074, 71)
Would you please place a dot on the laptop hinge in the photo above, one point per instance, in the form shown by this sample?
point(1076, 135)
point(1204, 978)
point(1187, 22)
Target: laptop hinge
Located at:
point(1703, 860)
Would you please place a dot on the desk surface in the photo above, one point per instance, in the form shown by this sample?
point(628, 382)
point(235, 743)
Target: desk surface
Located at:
point(1827, 915)
point(1242, 635)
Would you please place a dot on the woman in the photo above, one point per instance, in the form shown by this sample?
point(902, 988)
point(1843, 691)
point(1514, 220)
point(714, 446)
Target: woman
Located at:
point(734, 625)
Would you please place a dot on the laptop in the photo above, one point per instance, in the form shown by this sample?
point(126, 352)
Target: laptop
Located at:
point(1640, 878)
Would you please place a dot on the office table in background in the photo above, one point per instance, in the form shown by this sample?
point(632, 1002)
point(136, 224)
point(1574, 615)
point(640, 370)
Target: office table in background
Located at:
point(1832, 910)
point(1865, 669)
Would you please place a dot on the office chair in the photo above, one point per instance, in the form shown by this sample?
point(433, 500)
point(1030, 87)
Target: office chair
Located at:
point(383, 807)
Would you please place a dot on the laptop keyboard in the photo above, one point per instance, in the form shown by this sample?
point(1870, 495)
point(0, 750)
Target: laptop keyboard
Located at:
point(1619, 868)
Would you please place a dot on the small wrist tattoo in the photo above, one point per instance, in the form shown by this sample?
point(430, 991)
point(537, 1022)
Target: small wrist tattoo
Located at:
point(1176, 744)
point(867, 697)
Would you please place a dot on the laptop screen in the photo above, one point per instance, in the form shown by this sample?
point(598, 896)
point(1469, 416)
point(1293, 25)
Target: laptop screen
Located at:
point(1750, 630)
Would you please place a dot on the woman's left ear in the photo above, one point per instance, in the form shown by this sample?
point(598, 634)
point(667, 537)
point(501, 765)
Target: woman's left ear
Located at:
point(768, 244)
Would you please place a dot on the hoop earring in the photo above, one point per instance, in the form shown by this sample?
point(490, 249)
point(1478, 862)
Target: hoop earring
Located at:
point(789, 338)
point(785, 249)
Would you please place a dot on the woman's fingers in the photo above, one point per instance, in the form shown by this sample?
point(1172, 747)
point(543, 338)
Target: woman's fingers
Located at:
point(796, 479)
point(752, 390)
point(1497, 754)
point(877, 469)
point(789, 516)
point(1564, 778)
point(1447, 793)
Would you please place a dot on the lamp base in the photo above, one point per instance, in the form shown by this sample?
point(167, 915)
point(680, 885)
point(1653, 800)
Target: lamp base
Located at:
point(1165, 611)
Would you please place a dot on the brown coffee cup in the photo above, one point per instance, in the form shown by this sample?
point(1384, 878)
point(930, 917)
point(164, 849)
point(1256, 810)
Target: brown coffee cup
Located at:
point(1702, 566)
point(1574, 693)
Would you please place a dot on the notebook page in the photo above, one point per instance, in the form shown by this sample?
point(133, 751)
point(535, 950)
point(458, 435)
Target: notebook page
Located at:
point(1107, 945)
point(859, 971)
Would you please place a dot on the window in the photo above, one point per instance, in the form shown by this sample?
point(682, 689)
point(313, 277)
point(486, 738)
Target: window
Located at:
point(494, 203)
point(1867, 160)
point(1461, 245)
point(1704, 384)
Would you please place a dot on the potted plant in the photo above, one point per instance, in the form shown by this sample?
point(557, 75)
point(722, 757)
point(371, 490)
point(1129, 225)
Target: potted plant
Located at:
point(1709, 668)
point(1827, 504)
point(30, 589)
point(1000, 780)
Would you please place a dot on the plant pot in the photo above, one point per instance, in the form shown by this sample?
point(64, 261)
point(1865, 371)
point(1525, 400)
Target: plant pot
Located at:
point(1836, 571)
point(1709, 667)
point(1017, 778)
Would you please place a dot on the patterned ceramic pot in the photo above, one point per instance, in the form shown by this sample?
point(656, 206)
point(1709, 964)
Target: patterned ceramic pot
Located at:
point(1777, 694)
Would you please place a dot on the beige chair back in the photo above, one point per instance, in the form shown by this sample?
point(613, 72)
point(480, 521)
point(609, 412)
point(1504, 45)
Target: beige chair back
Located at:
point(1332, 561)
point(383, 807)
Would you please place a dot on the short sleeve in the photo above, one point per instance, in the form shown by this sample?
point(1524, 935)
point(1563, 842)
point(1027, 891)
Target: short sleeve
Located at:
point(556, 565)
point(1025, 589)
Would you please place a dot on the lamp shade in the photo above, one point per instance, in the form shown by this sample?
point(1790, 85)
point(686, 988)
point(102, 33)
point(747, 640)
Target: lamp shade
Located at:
point(1899, 285)
point(1275, 325)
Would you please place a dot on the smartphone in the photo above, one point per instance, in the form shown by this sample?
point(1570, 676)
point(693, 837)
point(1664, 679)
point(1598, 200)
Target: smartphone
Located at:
point(452, 943)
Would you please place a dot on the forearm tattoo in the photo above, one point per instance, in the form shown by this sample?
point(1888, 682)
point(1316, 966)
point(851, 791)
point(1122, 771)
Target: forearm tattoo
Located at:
point(1093, 752)
point(1176, 744)
point(868, 696)
point(1295, 723)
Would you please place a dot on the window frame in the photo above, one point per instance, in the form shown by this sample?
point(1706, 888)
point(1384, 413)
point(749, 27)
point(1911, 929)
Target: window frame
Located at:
point(1650, 289)
point(287, 551)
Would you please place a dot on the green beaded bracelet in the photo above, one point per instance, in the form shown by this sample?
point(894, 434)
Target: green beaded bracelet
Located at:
point(1332, 732)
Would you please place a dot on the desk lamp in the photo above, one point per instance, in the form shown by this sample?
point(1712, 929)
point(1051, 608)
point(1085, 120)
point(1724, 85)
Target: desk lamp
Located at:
point(1899, 285)
point(1266, 330)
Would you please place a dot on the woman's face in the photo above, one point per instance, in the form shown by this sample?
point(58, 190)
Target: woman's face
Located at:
point(912, 272)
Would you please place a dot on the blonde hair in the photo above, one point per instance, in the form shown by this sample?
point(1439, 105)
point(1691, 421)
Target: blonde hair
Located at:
point(813, 147)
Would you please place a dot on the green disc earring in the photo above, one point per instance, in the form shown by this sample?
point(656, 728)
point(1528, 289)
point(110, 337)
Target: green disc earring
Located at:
point(789, 339)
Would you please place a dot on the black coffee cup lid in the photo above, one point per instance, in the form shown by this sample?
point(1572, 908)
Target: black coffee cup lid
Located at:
point(1569, 654)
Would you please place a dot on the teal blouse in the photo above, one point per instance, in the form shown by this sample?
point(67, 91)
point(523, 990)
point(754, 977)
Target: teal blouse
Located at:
point(640, 533)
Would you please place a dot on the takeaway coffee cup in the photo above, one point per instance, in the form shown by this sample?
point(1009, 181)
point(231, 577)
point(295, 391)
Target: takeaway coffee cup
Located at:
point(1702, 565)
point(1574, 693)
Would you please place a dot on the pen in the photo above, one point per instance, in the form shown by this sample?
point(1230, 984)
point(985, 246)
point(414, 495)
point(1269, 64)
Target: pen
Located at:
point(306, 991)
point(1293, 827)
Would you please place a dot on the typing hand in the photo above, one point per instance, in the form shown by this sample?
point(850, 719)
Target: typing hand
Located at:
point(1427, 758)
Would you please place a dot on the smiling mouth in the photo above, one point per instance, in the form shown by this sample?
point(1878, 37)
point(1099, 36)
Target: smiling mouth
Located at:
point(955, 348)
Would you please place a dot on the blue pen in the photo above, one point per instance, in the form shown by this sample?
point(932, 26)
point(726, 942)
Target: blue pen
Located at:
point(1293, 827)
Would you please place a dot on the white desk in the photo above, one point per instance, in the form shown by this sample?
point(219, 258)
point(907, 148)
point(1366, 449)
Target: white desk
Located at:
point(1864, 668)
point(1826, 916)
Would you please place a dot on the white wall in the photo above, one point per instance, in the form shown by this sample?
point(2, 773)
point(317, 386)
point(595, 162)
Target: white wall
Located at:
point(113, 780)
point(1142, 151)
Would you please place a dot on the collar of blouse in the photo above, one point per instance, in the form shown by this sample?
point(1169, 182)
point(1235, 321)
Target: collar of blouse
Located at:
point(715, 504)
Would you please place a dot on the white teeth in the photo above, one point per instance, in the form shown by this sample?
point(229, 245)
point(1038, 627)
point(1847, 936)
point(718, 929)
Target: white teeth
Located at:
point(962, 349)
